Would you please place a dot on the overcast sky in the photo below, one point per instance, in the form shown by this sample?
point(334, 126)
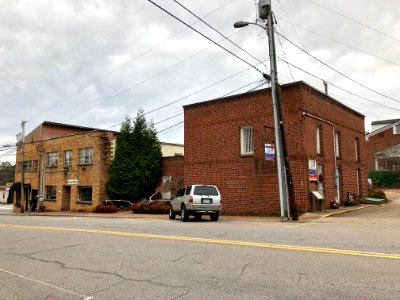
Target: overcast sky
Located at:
point(92, 62)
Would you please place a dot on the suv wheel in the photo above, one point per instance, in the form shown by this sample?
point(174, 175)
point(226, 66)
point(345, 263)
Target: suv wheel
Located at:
point(184, 214)
point(214, 216)
point(171, 213)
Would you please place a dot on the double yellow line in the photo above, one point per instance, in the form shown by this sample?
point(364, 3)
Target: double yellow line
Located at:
point(212, 241)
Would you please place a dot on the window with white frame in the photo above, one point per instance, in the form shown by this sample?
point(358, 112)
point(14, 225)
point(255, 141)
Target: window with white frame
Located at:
point(246, 140)
point(85, 194)
point(52, 159)
point(337, 145)
point(68, 157)
point(318, 140)
point(85, 156)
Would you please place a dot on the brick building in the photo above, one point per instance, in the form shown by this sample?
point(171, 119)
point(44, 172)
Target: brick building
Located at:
point(383, 145)
point(226, 138)
point(68, 165)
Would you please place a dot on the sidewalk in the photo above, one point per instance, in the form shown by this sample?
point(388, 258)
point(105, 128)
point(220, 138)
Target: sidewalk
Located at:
point(306, 217)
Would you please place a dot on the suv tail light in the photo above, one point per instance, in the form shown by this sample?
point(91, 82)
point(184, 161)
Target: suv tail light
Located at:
point(190, 199)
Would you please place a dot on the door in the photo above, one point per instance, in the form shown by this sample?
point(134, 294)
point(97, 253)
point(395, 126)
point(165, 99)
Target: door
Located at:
point(66, 198)
point(320, 179)
point(34, 199)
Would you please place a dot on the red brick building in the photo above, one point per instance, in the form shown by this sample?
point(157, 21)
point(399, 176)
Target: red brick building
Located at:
point(225, 140)
point(383, 145)
point(69, 164)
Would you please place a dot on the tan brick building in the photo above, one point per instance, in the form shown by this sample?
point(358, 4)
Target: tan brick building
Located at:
point(69, 164)
point(226, 138)
point(66, 164)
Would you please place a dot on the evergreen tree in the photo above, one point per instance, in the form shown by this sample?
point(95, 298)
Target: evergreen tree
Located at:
point(136, 167)
point(7, 172)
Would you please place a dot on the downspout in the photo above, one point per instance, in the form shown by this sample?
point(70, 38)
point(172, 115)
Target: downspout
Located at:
point(334, 152)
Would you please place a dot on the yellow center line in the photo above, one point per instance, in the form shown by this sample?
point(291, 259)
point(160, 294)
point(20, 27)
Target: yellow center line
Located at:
point(213, 241)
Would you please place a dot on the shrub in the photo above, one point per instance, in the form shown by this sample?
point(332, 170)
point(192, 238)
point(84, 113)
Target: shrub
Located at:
point(376, 193)
point(157, 207)
point(384, 178)
point(106, 209)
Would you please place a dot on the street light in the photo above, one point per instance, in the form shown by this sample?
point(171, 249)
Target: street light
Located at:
point(282, 180)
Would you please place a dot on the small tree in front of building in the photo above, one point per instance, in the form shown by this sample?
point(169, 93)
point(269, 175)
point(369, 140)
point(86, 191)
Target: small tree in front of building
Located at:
point(135, 170)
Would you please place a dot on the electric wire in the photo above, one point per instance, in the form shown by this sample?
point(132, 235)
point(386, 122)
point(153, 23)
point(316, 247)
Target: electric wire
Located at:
point(340, 42)
point(81, 89)
point(143, 81)
point(284, 55)
point(217, 31)
point(337, 71)
point(203, 35)
point(340, 88)
point(353, 20)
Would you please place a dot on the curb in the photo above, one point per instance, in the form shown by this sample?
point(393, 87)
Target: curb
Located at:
point(343, 211)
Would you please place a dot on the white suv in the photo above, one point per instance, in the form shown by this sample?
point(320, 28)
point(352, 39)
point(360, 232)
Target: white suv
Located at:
point(196, 200)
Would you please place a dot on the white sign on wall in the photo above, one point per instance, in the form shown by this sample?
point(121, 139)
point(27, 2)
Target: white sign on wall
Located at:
point(72, 181)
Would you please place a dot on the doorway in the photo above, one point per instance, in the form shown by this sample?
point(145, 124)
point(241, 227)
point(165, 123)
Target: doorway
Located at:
point(66, 198)
point(320, 179)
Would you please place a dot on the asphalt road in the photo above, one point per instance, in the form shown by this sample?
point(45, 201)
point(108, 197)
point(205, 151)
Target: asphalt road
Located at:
point(351, 256)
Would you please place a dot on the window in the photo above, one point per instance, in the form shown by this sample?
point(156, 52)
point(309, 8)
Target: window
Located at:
point(51, 192)
point(85, 194)
point(35, 165)
point(319, 139)
point(357, 148)
point(52, 159)
point(337, 144)
point(85, 156)
point(188, 189)
point(246, 140)
point(396, 129)
point(27, 166)
point(68, 157)
point(205, 190)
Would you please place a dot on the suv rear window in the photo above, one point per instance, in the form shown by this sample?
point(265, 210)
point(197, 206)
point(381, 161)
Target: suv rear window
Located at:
point(205, 190)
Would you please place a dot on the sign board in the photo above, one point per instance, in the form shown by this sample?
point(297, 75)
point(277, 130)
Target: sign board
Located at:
point(269, 152)
point(312, 170)
point(72, 181)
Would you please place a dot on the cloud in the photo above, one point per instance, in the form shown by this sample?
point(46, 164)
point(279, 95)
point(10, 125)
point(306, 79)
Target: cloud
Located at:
point(51, 50)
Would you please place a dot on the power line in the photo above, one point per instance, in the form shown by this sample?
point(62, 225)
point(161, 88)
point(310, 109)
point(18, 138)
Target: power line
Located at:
point(196, 92)
point(353, 20)
point(144, 81)
point(340, 88)
point(216, 30)
point(260, 83)
point(284, 54)
point(79, 90)
point(337, 71)
point(203, 35)
point(168, 118)
point(340, 42)
point(170, 127)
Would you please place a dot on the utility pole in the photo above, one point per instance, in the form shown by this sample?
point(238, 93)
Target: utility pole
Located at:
point(284, 174)
point(265, 11)
point(23, 167)
point(285, 181)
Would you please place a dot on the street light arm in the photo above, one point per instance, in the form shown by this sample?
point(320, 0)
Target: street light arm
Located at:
point(241, 24)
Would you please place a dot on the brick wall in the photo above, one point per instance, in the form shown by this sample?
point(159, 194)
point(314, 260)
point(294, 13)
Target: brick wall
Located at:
point(172, 166)
point(249, 183)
